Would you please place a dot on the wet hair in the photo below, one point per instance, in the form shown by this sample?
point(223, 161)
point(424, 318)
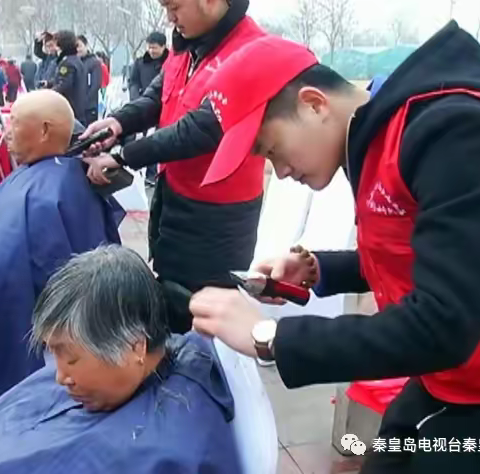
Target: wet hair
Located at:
point(156, 38)
point(105, 300)
point(83, 39)
point(66, 41)
point(284, 104)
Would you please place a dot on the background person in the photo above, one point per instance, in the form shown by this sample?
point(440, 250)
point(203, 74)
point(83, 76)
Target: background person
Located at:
point(14, 80)
point(93, 69)
point(45, 50)
point(70, 76)
point(146, 68)
point(28, 68)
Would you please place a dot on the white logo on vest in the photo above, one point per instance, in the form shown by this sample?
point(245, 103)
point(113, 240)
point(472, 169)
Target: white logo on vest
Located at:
point(381, 202)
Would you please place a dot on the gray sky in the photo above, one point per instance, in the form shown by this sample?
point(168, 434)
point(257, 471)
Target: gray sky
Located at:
point(426, 15)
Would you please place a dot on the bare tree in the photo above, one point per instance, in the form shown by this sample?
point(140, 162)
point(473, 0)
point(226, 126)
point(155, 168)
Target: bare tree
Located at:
point(22, 19)
point(275, 28)
point(306, 22)
point(106, 24)
point(154, 17)
point(139, 20)
point(397, 27)
point(336, 18)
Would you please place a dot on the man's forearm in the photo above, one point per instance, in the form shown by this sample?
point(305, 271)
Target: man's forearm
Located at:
point(195, 134)
point(340, 272)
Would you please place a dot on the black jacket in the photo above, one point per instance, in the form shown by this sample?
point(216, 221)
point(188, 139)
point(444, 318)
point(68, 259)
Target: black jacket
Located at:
point(192, 243)
point(437, 326)
point(46, 69)
point(144, 70)
point(28, 69)
point(93, 70)
point(71, 81)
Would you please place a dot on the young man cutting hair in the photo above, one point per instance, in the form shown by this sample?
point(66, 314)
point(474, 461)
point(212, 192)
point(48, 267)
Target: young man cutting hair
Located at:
point(410, 148)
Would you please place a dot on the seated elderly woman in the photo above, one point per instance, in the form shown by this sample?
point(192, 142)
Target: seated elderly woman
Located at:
point(118, 393)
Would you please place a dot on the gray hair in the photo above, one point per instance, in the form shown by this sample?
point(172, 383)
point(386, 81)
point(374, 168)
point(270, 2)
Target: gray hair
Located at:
point(105, 300)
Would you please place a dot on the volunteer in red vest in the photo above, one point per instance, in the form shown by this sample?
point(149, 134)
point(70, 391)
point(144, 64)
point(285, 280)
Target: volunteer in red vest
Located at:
point(411, 152)
point(197, 232)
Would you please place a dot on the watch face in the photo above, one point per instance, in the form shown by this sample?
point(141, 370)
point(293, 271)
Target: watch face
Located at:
point(264, 331)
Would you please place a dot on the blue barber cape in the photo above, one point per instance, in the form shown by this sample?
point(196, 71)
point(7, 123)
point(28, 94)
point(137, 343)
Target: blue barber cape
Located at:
point(177, 423)
point(48, 211)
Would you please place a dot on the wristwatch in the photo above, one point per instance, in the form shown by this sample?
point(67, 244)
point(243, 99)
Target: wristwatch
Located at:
point(116, 152)
point(263, 335)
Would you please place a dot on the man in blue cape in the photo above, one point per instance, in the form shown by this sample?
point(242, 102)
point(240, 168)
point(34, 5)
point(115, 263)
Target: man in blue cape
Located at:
point(48, 212)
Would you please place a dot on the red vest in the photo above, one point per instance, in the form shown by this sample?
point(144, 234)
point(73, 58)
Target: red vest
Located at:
point(386, 214)
point(181, 94)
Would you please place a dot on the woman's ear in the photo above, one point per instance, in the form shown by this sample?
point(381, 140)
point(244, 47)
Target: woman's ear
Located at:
point(140, 350)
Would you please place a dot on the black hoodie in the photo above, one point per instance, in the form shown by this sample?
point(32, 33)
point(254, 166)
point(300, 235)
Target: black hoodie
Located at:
point(437, 325)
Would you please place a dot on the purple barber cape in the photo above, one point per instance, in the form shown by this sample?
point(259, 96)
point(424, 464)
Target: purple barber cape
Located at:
point(178, 422)
point(48, 211)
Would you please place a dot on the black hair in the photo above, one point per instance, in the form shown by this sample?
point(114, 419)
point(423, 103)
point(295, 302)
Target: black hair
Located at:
point(156, 38)
point(83, 39)
point(284, 104)
point(66, 41)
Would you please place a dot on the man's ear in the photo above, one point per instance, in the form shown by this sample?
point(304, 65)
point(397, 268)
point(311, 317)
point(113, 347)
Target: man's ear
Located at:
point(313, 98)
point(45, 131)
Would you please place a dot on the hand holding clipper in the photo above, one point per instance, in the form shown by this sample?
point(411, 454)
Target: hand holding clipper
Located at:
point(259, 285)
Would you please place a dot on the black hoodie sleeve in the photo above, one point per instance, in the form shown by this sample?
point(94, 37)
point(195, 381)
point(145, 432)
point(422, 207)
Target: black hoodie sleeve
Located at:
point(198, 132)
point(143, 113)
point(340, 272)
point(437, 325)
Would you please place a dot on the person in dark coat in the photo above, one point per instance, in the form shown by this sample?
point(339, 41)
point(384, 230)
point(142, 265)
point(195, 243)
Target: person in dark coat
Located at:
point(197, 233)
point(146, 68)
point(70, 78)
point(14, 79)
point(93, 69)
point(46, 50)
point(29, 70)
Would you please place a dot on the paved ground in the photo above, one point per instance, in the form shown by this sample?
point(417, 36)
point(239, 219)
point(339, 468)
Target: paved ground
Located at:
point(304, 417)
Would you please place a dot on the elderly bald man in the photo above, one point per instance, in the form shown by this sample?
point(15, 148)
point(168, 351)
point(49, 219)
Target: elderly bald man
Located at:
point(48, 211)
